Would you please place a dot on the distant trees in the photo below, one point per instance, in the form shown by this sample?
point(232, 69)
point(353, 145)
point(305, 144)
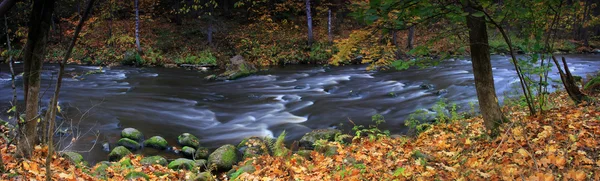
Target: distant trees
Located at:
point(137, 27)
point(309, 21)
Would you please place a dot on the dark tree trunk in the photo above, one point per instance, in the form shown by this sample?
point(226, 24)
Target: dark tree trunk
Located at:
point(309, 20)
point(137, 27)
point(51, 115)
point(210, 26)
point(569, 82)
point(482, 71)
point(411, 35)
point(35, 49)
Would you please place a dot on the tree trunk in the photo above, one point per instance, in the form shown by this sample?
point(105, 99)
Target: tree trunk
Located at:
point(309, 20)
point(210, 26)
point(137, 27)
point(482, 71)
point(34, 52)
point(329, 35)
point(569, 82)
point(411, 35)
point(11, 64)
point(54, 103)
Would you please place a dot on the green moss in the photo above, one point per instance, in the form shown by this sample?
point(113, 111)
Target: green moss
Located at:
point(73, 157)
point(117, 153)
point(182, 163)
point(187, 139)
point(132, 133)
point(188, 151)
point(128, 143)
point(100, 170)
point(594, 83)
point(156, 142)
point(126, 162)
point(154, 160)
point(135, 175)
point(224, 157)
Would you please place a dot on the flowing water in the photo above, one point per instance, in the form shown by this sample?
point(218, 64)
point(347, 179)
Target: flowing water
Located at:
point(297, 99)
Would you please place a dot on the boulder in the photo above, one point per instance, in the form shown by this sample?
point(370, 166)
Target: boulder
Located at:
point(237, 68)
point(128, 143)
point(187, 139)
point(75, 158)
point(441, 92)
point(252, 147)
point(105, 147)
point(188, 152)
point(132, 133)
point(308, 140)
point(154, 160)
point(100, 169)
point(182, 163)
point(117, 153)
point(156, 142)
point(204, 176)
point(201, 153)
point(426, 86)
point(224, 157)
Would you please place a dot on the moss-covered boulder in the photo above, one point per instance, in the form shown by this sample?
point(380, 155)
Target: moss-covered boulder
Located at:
point(128, 143)
point(308, 140)
point(100, 169)
point(224, 157)
point(593, 85)
point(117, 153)
point(204, 176)
point(201, 163)
point(237, 68)
point(188, 152)
point(132, 133)
point(239, 171)
point(187, 139)
point(182, 163)
point(154, 160)
point(135, 175)
point(75, 158)
point(126, 162)
point(252, 147)
point(201, 153)
point(157, 142)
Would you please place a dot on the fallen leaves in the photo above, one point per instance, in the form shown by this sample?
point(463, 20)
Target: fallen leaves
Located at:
point(562, 144)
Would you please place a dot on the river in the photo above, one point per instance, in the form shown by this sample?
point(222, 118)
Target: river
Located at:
point(298, 99)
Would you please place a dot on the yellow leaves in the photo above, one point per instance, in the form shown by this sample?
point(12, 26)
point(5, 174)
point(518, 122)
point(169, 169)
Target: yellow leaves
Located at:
point(575, 175)
point(523, 152)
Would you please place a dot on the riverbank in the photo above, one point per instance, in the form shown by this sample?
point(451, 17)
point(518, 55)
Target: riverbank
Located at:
point(561, 144)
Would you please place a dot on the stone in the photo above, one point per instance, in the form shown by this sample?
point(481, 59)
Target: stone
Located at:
point(426, 86)
point(253, 147)
point(156, 142)
point(237, 68)
point(154, 160)
point(187, 139)
point(132, 133)
point(182, 163)
point(201, 153)
point(224, 157)
point(75, 158)
point(308, 140)
point(204, 176)
point(188, 152)
point(134, 175)
point(105, 147)
point(129, 144)
point(117, 153)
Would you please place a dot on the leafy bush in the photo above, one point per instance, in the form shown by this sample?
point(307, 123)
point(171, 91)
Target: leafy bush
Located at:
point(203, 58)
point(372, 132)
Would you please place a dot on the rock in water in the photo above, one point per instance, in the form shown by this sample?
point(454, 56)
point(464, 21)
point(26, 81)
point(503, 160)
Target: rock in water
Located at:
point(224, 157)
point(129, 143)
point(309, 139)
point(75, 158)
point(201, 153)
point(237, 68)
point(182, 163)
point(188, 152)
point(117, 153)
point(154, 160)
point(187, 139)
point(253, 146)
point(156, 142)
point(132, 133)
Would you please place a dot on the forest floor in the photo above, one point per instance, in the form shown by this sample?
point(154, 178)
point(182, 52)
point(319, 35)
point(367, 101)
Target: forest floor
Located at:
point(560, 144)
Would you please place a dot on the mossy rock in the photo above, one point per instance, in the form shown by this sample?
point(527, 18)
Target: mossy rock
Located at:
point(187, 139)
point(100, 169)
point(154, 160)
point(224, 157)
point(125, 162)
point(132, 133)
point(204, 176)
point(253, 147)
point(201, 163)
point(156, 142)
point(201, 153)
point(129, 143)
point(75, 158)
point(182, 163)
point(308, 140)
point(239, 171)
point(135, 175)
point(593, 85)
point(117, 153)
point(188, 152)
